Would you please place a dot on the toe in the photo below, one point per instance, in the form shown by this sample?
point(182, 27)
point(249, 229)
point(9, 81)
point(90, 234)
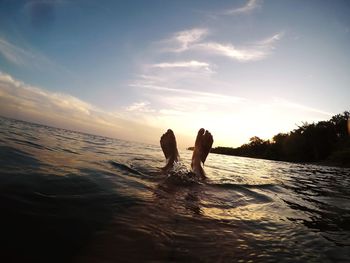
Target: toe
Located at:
point(199, 137)
point(208, 136)
point(201, 131)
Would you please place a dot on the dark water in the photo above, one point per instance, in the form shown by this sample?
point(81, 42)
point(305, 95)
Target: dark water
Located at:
point(72, 197)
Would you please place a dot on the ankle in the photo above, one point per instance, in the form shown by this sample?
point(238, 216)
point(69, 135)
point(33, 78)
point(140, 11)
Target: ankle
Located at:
point(196, 162)
point(197, 169)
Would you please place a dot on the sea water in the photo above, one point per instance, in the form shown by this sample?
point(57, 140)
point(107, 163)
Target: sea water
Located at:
point(66, 196)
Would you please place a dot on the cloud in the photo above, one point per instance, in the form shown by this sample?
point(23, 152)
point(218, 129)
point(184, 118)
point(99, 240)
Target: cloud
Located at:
point(194, 40)
point(183, 108)
point(15, 54)
point(24, 57)
point(233, 120)
point(190, 84)
point(196, 96)
point(186, 95)
point(249, 52)
point(143, 106)
point(192, 65)
point(182, 64)
point(21, 101)
point(296, 106)
point(228, 50)
point(182, 40)
point(247, 8)
point(270, 40)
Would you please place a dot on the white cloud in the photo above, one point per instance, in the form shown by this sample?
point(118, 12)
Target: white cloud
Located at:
point(182, 40)
point(182, 64)
point(250, 52)
point(270, 40)
point(196, 96)
point(247, 8)
point(143, 106)
point(192, 65)
point(296, 106)
point(26, 57)
point(228, 50)
point(232, 119)
point(14, 54)
point(194, 40)
point(22, 101)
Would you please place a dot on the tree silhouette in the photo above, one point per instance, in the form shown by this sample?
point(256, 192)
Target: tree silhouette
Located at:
point(325, 140)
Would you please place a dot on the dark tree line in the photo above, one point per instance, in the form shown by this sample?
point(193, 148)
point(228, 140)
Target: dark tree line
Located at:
point(322, 141)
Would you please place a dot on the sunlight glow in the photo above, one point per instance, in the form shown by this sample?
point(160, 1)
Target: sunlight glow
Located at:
point(221, 67)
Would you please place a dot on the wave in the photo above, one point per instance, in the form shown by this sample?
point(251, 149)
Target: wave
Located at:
point(258, 193)
point(125, 168)
point(29, 143)
point(273, 187)
point(69, 151)
point(11, 157)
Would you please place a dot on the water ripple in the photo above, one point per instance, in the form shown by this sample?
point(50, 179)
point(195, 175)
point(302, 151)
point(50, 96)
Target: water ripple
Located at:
point(72, 197)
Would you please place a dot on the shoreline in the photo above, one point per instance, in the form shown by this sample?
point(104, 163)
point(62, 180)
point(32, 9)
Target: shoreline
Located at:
point(328, 163)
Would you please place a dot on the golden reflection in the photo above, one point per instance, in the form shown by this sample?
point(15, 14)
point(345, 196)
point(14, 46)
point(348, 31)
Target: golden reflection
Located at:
point(249, 212)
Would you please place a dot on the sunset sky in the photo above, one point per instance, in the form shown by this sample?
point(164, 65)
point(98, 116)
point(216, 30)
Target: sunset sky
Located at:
point(131, 69)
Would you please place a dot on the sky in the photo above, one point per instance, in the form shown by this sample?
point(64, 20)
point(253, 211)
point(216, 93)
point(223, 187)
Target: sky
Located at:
point(132, 69)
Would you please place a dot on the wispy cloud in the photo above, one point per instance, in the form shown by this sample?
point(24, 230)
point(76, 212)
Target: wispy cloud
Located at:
point(142, 106)
point(292, 105)
point(251, 52)
point(208, 97)
point(25, 57)
point(184, 109)
point(194, 39)
point(232, 118)
point(247, 8)
point(230, 51)
point(182, 40)
point(14, 54)
point(270, 40)
point(184, 93)
point(192, 65)
point(186, 81)
point(182, 64)
point(22, 101)
point(25, 97)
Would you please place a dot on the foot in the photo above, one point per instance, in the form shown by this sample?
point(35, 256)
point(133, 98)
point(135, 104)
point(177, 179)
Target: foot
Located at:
point(203, 144)
point(168, 144)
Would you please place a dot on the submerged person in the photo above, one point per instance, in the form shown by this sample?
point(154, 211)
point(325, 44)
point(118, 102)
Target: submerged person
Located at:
point(202, 147)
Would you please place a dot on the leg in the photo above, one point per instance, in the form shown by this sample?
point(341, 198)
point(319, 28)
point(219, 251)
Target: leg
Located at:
point(202, 147)
point(168, 144)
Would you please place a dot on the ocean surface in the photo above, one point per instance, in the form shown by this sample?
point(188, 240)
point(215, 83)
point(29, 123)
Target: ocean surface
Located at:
point(71, 197)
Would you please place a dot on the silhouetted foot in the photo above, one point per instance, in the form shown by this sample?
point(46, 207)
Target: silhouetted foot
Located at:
point(203, 144)
point(202, 147)
point(168, 144)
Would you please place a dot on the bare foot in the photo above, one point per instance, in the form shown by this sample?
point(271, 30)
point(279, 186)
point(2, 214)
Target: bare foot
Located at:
point(168, 144)
point(203, 144)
